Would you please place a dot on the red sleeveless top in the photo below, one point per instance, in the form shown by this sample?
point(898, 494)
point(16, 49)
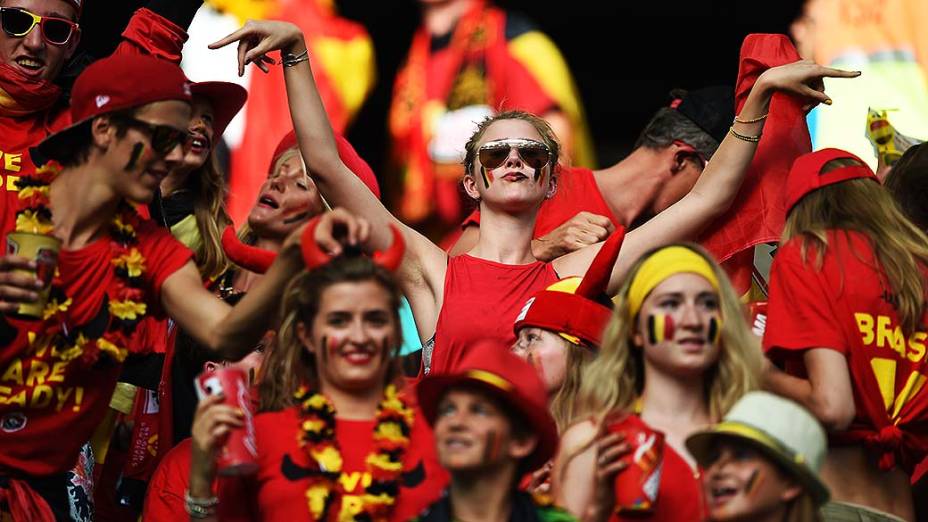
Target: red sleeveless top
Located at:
point(482, 300)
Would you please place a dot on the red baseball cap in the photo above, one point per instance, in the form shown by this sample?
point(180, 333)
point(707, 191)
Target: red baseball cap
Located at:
point(806, 174)
point(346, 152)
point(115, 83)
point(227, 99)
point(489, 365)
point(577, 312)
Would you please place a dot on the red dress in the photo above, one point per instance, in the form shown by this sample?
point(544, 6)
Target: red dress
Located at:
point(846, 306)
point(482, 300)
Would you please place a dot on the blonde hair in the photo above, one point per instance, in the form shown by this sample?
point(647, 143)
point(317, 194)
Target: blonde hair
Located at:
point(616, 381)
point(860, 205)
point(209, 210)
point(289, 364)
point(540, 125)
point(564, 403)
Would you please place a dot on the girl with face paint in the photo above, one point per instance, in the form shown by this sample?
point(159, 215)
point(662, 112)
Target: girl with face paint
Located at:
point(762, 462)
point(332, 399)
point(510, 168)
point(677, 354)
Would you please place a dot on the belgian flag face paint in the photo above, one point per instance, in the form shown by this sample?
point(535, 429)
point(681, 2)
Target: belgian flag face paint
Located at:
point(714, 331)
point(660, 328)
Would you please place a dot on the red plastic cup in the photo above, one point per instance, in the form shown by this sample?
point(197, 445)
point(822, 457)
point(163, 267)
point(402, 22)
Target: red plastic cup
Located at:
point(636, 487)
point(239, 455)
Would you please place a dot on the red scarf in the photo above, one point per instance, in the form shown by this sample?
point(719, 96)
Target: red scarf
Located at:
point(21, 95)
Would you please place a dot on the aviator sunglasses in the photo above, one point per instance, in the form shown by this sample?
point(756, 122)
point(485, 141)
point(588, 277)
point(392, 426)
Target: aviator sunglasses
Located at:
point(535, 154)
point(18, 22)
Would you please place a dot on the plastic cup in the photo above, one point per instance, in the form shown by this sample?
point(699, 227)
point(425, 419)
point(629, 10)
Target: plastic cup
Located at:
point(44, 251)
point(636, 487)
point(239, 455)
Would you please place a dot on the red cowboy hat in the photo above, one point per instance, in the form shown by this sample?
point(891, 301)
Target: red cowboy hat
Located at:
point(115, 83)
point(226, 98)
point(806, 174)
point(490, 365)
point(581, 314)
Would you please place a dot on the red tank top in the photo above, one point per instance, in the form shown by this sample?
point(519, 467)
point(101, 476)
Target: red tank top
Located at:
point(482, 300)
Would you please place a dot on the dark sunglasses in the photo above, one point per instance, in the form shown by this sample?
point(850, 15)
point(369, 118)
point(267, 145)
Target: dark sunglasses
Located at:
point(18, 22)
point(163, 137)
point(535, 154)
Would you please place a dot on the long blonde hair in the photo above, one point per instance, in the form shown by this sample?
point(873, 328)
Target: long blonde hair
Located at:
point(564, 403)
point(616, 380)
point(209, 188)
point(860, 205)
point(289, 364)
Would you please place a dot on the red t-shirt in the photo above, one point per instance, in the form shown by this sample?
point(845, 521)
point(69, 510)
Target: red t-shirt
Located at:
point(482, 300)
point(147, 33)
point(278, 490)
point(846, 306)
point(577, 192)
point(48, 407)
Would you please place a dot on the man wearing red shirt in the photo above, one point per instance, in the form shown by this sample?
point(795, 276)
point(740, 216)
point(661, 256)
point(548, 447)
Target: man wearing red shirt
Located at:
point(32, 55)
point(667, 160)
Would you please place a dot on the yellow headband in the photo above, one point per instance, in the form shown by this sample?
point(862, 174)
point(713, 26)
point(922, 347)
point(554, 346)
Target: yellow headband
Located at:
point(662, 264)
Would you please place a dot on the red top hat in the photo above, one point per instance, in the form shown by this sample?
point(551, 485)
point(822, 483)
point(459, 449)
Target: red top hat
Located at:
point(116, 83)
point(582, 314)
point(806, 174)
point(226, 98)
point(346, 152)
point(490, 365)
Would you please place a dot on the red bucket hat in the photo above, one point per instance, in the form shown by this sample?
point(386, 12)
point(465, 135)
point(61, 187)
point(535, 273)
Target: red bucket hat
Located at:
point(226, 98)
point(490, 365)
point(805, 176)
point(115, 83)
point(581, 314)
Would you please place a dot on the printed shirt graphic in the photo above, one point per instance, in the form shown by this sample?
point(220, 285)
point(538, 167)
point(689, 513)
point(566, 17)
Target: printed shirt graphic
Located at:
point(43, 398)
point(278, 490)
point(846, 306)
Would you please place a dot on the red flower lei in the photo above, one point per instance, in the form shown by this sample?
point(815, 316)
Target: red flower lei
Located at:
point(385, 462)
point(125, 293)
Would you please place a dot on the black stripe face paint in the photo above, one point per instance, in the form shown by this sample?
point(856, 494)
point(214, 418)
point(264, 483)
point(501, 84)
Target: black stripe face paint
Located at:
point(487, 175)
point(714, 331)
point(137, 150)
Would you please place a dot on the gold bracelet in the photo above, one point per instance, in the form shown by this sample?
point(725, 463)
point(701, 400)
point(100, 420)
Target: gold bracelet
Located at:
point(755, 120)
point(742, 137)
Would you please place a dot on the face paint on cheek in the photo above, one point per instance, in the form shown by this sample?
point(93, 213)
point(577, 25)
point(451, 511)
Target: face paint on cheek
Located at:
point(538, 174)
point(714, 331)
point(753, 483)
point(136, 155)
point(296, 219)
point(660, 328)
point(493, 446)
point(487, 175)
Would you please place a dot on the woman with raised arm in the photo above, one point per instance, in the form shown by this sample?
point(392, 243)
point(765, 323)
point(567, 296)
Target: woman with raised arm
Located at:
point(59, 369)
point(509, 169)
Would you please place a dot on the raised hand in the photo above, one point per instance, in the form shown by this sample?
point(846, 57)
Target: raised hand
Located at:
point(258, 37)
point(211, 425)
point(804, 79)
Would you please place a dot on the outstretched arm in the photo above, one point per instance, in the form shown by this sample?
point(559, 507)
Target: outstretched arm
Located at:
point(718, 185)
point(423, 269)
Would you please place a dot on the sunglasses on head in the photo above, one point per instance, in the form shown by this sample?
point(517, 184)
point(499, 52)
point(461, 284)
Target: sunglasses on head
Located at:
point(163, 137)
point(19, 22)
point(535, 154)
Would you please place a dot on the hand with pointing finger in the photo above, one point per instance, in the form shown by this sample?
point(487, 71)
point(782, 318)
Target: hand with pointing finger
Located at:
point(258, 37)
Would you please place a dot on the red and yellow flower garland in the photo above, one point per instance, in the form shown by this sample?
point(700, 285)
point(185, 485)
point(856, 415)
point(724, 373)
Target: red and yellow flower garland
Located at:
point(125, 293)
point(385, 462)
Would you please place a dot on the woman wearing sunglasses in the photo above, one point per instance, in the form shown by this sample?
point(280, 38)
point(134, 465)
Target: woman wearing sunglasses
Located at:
point(113, 270)
point(509, 166)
